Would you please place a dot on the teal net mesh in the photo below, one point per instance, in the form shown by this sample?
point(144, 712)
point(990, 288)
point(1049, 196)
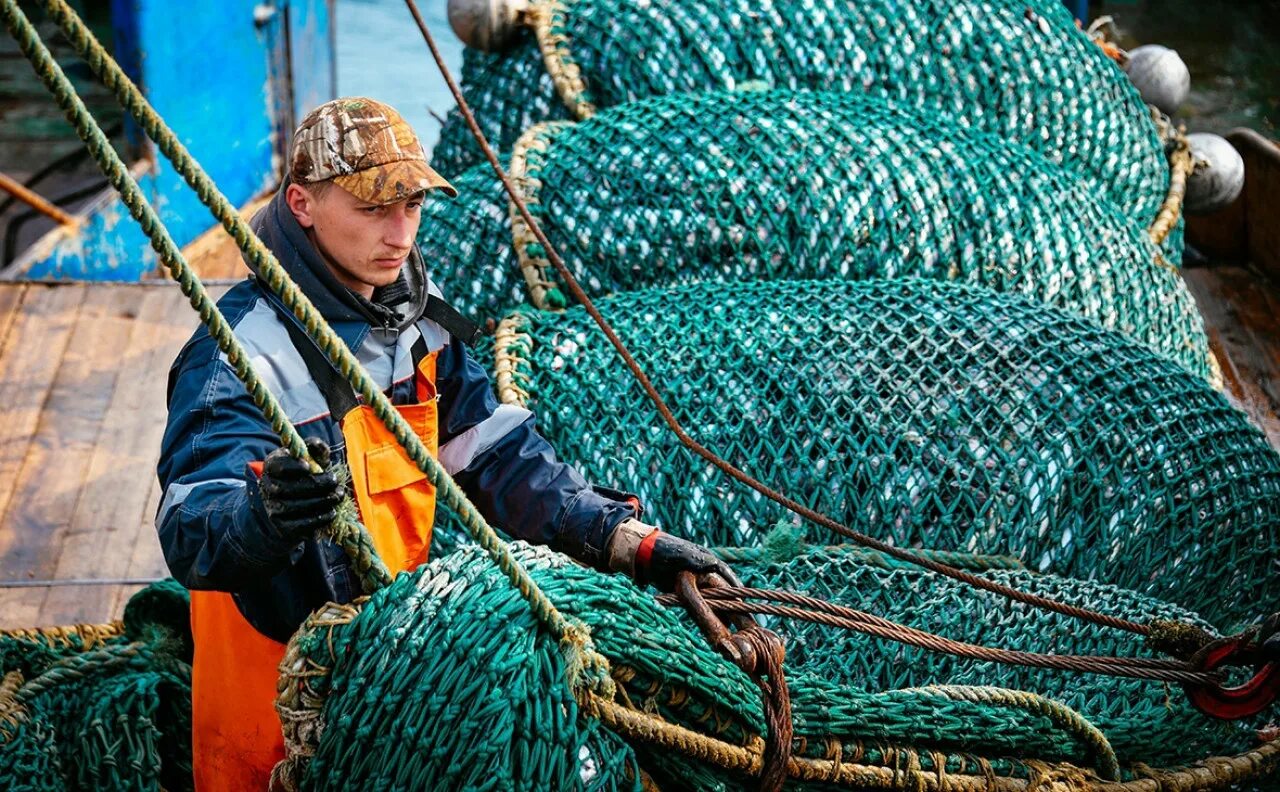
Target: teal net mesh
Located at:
point(775, 185)
point(472, 691)
point(86, 712)
point(923, 413)
point(1017, 69)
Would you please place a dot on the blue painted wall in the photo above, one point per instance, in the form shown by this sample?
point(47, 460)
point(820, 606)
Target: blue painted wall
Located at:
point(222, 77)
point(312, 52)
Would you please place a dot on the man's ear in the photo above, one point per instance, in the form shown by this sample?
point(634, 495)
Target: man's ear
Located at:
point(301, 203)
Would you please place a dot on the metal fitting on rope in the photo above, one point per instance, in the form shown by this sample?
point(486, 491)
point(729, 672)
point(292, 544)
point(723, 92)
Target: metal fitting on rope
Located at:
point(760, 654)
point(1255, 647)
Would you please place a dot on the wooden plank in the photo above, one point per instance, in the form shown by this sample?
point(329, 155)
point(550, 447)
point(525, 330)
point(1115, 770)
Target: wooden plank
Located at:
point(121, 465)
point(31, 359)
point(52, 476)
point(100, 428)
point(137, 548)
point(146, 560)
point(11, 296)
point(1261, 198)
point(1241, 311)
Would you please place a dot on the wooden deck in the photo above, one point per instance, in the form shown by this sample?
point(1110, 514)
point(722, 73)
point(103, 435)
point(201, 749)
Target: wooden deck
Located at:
point(81, 415)
point(1241, 309)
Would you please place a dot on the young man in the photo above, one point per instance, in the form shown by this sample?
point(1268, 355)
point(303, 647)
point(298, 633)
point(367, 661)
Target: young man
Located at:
point(240, 517)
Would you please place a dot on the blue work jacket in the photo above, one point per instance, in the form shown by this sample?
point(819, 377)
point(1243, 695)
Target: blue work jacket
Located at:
point(212, 527)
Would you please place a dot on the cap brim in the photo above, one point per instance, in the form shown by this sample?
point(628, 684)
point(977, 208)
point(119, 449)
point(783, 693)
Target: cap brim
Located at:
point(395, 181)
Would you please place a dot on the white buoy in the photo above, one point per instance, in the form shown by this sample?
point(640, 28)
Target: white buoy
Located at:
point(1160, 76)
point(489, 25)
point(1218, 176)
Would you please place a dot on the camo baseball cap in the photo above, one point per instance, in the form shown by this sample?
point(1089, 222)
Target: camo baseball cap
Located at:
point(366, 148)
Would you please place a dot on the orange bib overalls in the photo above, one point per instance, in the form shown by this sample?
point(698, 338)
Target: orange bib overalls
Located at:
point(236, 734)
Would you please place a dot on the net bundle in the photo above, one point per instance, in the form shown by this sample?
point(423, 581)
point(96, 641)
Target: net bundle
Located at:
point(786, 184)
point(922, 413)
point(1019, 70)
point(104, 707)
point(473, 695)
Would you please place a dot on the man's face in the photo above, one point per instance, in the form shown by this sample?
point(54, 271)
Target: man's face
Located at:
point(365, 245)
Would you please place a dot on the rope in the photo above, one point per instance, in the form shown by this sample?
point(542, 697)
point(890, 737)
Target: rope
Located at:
point(584, 662)
point(532, 145)
point(548, 22)
point(1059, 714)
point(1181, 163)
point(76, 636)
point(71, 669)
point(817, 611)
point(687, 440)
point(1217, 772)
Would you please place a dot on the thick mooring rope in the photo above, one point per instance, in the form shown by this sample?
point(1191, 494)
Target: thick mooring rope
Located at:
point(585, 664)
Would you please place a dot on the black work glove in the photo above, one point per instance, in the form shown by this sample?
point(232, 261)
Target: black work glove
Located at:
point(653, 557)
point(299, 503)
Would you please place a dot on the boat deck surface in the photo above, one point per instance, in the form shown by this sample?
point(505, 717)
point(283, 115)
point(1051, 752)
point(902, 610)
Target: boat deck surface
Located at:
point(83, 368)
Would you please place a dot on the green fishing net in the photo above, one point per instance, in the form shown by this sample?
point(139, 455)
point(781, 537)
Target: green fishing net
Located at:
point(1018, 69)
point(447, 676)
point(111, 713)
point(775, 185)
point(923, 413)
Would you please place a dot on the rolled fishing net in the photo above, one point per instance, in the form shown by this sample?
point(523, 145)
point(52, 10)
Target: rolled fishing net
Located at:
point(922, 413)
point(1021, 71)
point(100, 708)
point(785, 184)
point(471, 693)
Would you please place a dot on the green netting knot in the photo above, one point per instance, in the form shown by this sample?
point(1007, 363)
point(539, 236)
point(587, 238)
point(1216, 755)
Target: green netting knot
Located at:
point(784, 542)
point(556, 300)
point(160, 616)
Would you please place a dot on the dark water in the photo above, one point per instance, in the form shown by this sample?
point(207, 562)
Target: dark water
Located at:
point(1231, 48)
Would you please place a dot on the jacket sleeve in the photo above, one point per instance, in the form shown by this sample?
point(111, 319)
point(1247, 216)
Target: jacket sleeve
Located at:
point(212, 528)
point(510, 472)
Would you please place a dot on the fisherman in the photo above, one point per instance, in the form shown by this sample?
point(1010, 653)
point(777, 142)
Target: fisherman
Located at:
point(240, 520)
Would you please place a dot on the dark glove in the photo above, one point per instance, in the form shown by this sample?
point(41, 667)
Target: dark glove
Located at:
point(299, 503)
point(653, 557)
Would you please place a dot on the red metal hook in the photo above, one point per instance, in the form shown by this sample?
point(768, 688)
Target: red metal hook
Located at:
point(1233, 703)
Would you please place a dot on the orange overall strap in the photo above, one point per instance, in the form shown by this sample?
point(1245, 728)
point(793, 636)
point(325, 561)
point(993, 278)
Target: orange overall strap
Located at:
point(397, 503)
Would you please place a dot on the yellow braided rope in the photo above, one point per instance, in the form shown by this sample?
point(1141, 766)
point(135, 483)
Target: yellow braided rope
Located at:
point(509, 366)
point(534, 265)
point(547, 18)
point(1211, 773)
point(75, 636)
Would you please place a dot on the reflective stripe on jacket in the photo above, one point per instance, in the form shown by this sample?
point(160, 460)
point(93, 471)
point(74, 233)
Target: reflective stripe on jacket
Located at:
point(211, 525)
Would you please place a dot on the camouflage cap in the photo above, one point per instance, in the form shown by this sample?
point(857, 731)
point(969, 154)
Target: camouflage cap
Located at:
point(366, 148)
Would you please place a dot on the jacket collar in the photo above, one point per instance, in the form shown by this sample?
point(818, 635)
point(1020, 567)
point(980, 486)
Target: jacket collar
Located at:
point(351, 315)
